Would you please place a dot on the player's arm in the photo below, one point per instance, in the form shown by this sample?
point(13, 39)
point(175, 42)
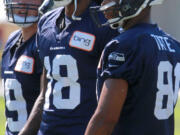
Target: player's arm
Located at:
point(110, 104)
point(33, 123)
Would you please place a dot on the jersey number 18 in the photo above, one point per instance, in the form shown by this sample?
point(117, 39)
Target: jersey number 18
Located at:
point(70, 80)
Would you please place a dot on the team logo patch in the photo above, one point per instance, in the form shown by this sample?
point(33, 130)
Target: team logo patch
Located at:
point(82, 40)
point(117, 57)
point(25, 64)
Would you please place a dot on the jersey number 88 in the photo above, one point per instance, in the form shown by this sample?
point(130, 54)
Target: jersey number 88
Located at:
point(166, 89)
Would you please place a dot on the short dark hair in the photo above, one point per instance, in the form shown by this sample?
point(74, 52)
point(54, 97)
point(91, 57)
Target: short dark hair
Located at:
point(98, 1)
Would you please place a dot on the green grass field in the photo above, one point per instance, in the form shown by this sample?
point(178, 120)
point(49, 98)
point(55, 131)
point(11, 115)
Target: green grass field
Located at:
point(177, 119)
point(2, 119)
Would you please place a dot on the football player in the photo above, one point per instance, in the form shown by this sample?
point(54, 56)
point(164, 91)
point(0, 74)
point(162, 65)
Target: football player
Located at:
point(138, 75)
point(21, 68)
point(70, 45)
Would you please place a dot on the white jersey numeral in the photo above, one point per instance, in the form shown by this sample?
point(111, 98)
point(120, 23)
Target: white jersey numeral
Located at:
point(165, 88)
point(17, 104)
point(70, 81)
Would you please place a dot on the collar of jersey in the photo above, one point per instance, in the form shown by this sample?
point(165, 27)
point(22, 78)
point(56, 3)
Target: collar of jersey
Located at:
point(144, 25)
point(17, 39)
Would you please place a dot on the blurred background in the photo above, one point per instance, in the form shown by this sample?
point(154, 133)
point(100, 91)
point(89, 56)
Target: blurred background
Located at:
point(166, 15)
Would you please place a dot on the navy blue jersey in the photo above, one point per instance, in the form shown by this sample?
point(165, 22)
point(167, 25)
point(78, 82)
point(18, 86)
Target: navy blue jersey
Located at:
point(149, 60)
point(21, 72)
point(70, 57)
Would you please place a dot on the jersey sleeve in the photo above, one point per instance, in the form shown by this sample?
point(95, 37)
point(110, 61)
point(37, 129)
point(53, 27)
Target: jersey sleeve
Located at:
point(122, 61)
point(44, 21)
point(39, 34)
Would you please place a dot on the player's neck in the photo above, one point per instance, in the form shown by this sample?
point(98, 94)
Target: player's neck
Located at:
point(144, 17)
point(81, 7)
point(28, 32)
